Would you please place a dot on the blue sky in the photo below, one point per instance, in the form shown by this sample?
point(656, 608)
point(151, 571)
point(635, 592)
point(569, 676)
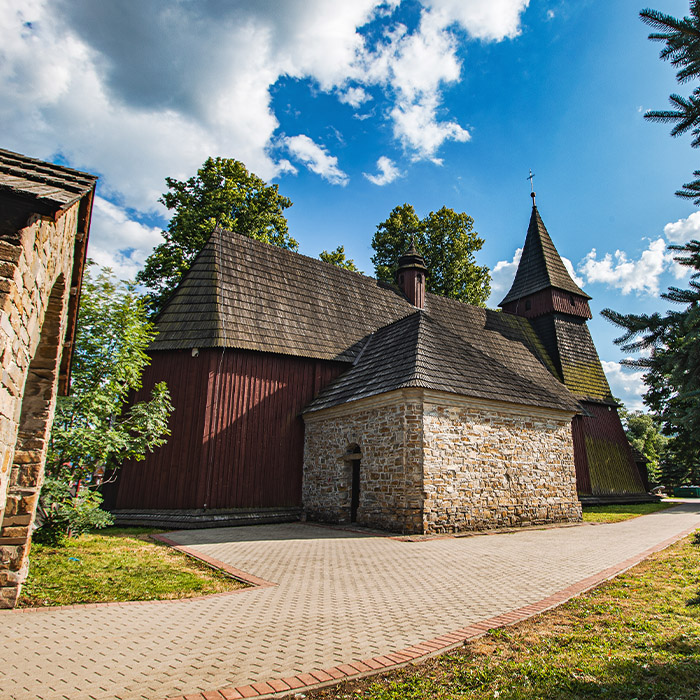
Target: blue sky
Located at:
point(354, 108)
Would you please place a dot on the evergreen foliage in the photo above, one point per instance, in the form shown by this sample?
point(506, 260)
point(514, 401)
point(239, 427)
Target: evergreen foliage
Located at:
point(446, 240)
point(682, 49)
point(671, 342)
point(337, 257)
point(222, 193)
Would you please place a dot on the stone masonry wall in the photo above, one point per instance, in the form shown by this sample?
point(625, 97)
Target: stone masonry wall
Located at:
point(488, 467)
point(35, 273)
point(389, 435)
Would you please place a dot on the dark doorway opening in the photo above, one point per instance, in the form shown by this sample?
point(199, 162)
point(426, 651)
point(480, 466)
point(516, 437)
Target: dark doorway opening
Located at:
point(355, 494)
point(354, 457)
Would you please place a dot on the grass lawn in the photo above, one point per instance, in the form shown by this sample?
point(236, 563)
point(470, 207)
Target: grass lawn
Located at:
point(636, 637)
point(614, 514)
point(116, 564)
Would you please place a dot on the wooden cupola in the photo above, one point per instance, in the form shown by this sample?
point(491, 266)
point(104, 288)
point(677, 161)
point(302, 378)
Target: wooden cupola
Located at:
point(410, 276)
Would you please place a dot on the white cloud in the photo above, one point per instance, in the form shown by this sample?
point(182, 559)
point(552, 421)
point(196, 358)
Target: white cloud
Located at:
point(118, 241)
point(626, 384)
point(316, 158)
point(503, 274)
point(492, 21)
point(618, 271)
point(354, 96)
point(139, 91)
point(570, 269)
point(684, 230)
point(388, 172)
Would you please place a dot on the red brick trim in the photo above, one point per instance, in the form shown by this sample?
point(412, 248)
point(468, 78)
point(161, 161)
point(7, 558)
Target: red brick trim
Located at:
point(430, 647)
point(245, 577)
point(215, 563)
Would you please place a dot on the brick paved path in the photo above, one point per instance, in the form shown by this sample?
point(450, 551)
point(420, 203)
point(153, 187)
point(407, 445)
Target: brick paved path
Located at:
point(341, 597)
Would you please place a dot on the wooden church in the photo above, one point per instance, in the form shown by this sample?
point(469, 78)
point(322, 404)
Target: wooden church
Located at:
point(305, 390)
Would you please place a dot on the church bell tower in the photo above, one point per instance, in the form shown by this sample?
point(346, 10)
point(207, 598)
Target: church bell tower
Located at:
point(544, 292)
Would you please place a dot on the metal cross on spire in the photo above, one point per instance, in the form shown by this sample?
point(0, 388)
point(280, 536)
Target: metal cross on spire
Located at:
point(532, 187)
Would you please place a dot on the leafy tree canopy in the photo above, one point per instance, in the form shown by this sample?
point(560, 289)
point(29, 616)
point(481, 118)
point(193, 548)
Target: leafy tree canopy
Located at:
point(337, 257)
point(223, 192)
point(672, 364)
point(644, 433)
point(682, 49)
point(93, 428)
point(446, 240)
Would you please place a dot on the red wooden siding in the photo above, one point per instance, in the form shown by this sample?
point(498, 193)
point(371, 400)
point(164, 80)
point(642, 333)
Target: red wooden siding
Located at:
point(604, 462)
point(547, 300)
point(237, 435)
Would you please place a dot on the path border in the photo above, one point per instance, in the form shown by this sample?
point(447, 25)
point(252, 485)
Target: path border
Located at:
point(282, 687)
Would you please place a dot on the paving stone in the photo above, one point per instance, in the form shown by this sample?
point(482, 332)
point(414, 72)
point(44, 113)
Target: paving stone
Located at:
point(341, 598)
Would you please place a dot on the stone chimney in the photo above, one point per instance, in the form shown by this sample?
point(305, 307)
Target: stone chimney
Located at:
point(410, 276)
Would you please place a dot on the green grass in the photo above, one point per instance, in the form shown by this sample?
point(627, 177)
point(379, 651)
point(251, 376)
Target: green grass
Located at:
point(116, 564)
point(636, 637)
point(614, 514)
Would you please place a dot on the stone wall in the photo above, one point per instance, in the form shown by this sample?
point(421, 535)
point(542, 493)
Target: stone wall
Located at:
point(433, 462)
point(493, 465)
point(35, 274)
point(388, 431)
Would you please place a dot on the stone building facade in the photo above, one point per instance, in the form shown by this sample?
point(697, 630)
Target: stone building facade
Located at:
point(43, 238)
point(433, 462)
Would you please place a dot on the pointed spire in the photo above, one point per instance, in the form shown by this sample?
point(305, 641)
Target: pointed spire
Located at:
point(540, 265)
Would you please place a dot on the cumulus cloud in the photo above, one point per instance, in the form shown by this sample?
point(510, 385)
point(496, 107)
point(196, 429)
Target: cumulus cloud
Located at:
point(316, 158)
point(502, 276)
point(388, 172)
point(139, 91)
point(570, 269)
point(626, 384)
point(619, 272)
point(118, 241)
point(684, 230)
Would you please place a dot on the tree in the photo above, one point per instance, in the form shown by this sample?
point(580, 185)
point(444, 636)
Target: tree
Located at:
point(672, 343)
point(94, 428)
point(446, 240)
point(644, 433)
point(222, 193)
point(337, 257)
point(682, 39)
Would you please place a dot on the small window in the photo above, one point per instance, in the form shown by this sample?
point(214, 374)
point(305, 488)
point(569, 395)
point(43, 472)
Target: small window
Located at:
point(528, 305)
point(420, 277)
point(572, 301)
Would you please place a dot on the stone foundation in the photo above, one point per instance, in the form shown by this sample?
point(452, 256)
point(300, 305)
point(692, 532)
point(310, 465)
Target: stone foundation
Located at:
point(432, 462)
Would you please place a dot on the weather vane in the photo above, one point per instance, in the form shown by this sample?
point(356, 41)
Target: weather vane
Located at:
point(532, 187)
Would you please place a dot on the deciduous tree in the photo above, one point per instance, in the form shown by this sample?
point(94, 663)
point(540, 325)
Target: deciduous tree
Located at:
point(95, 429)
point(223, 193)
point(337, 257)
point(447, 241)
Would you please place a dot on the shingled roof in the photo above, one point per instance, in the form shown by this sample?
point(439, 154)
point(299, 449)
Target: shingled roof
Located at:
point(51, 187)
point(241, 293)
point(418, 351)
point(540, 265)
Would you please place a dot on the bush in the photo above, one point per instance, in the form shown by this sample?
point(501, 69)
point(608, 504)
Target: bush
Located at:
point(65, 510)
